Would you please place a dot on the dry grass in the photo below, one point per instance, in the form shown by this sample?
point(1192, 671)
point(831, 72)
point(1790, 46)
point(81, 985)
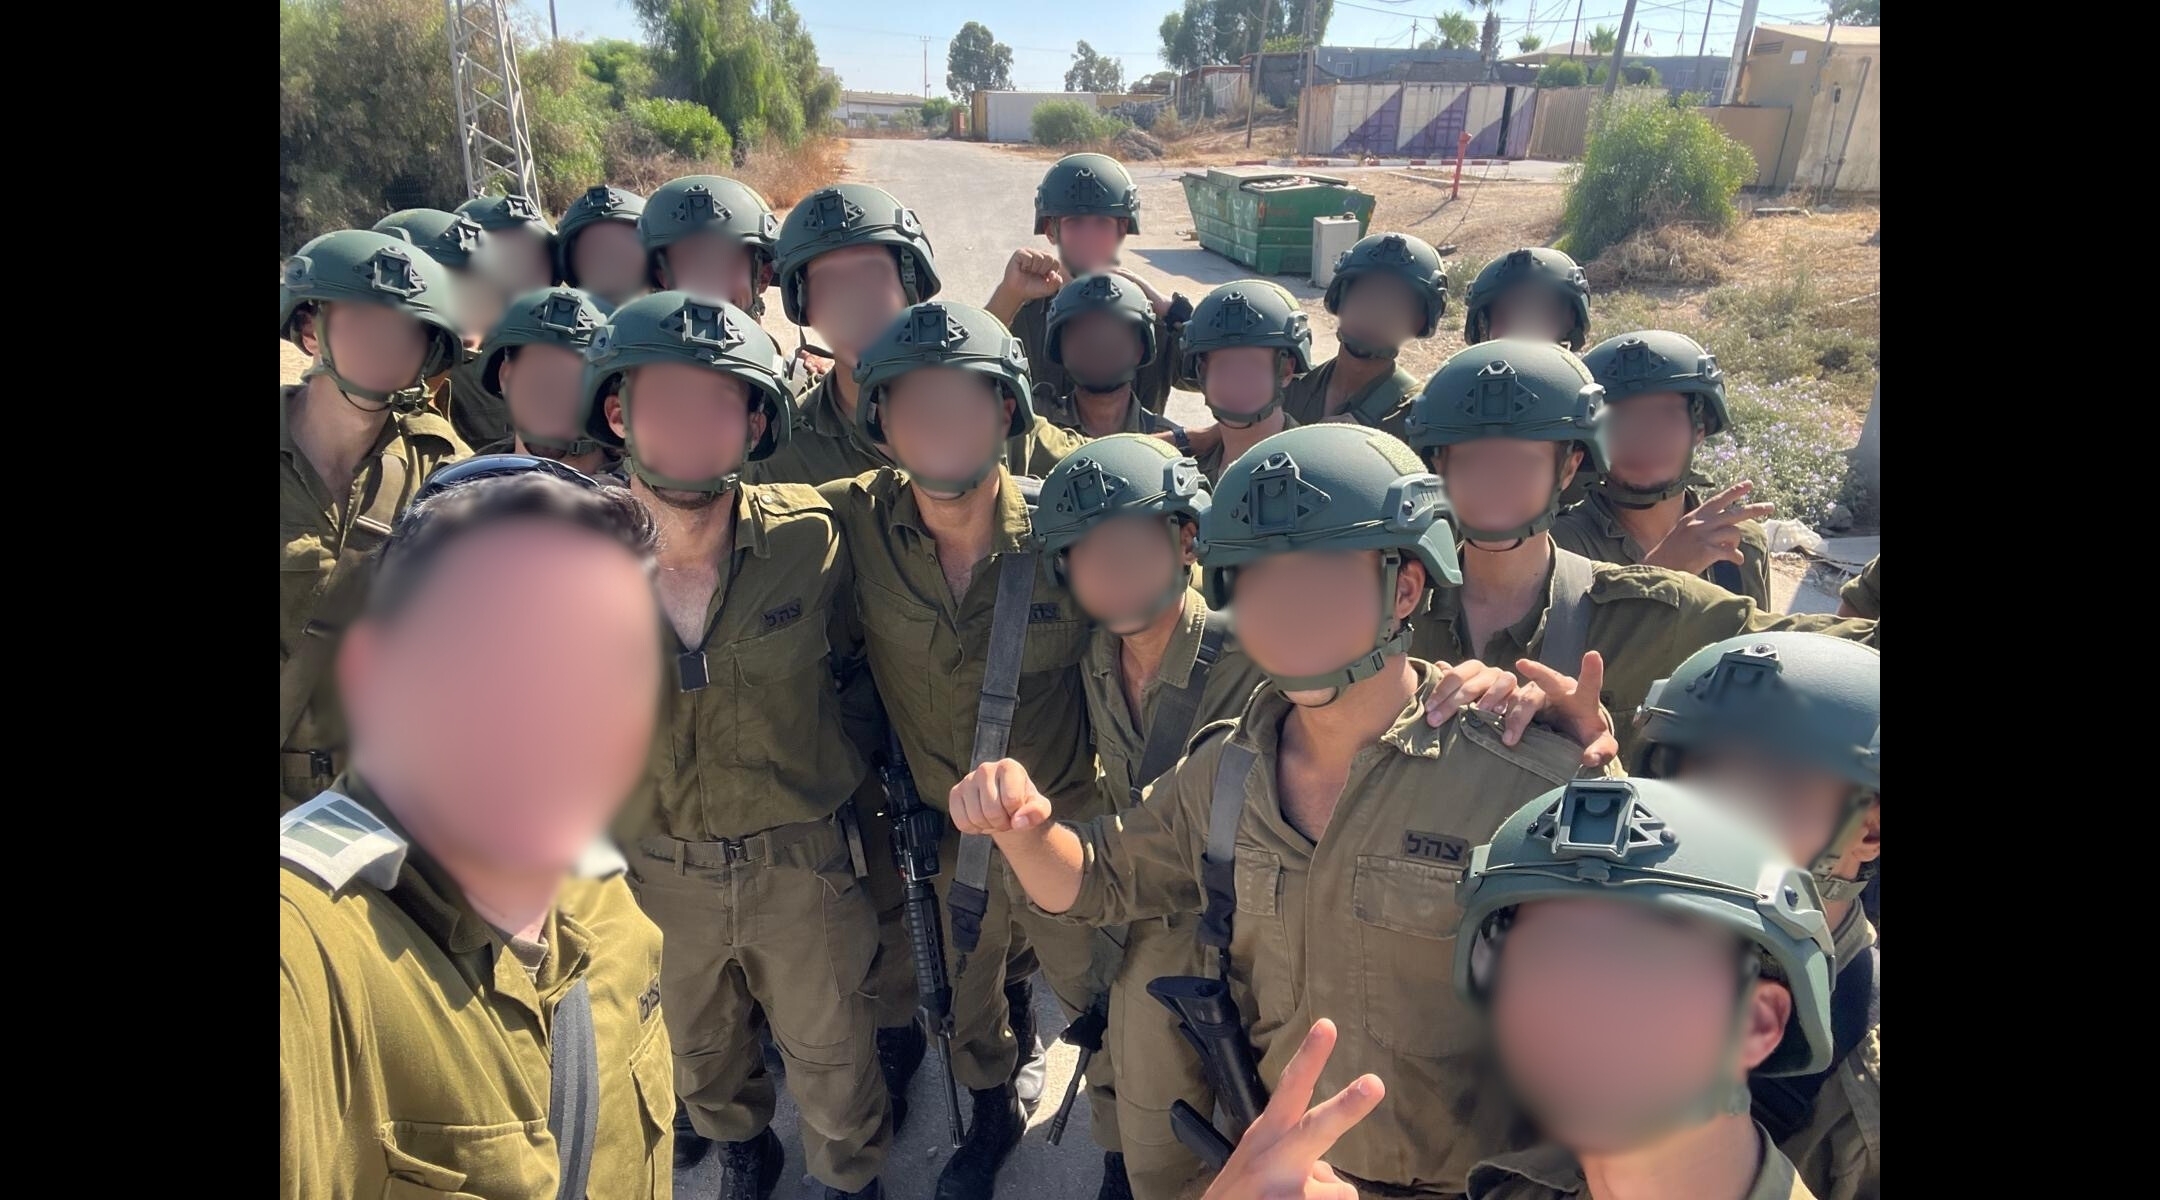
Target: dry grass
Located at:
point(1211, 143)
point(782, 176)
point(1667, 256)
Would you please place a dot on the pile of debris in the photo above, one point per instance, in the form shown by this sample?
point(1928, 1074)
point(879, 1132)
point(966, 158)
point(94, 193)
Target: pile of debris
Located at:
point(1134, 143)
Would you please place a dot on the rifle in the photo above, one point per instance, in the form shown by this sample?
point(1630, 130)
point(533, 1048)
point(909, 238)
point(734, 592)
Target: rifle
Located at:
point(917, 829)
point(1210, 1021)
point(1086, 1032)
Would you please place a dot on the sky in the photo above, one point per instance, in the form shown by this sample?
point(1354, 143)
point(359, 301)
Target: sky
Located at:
point(875, 45)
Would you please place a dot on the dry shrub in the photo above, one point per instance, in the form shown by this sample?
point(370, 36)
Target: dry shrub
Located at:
point(780, 175)
point(1676, 255)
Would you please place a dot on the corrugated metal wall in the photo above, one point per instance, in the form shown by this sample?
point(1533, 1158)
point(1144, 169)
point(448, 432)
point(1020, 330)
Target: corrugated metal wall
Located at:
point(1842, 147)
point(1415, 120)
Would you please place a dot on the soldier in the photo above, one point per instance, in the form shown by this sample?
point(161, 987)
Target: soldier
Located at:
point(1085, 207)
point(1663, 395)
point(520, 240)
point(1309, 526)
point(946, 387)
point(1245, 342)
point(1653, 902)
point(1160, 665)
point(457, 1014)
point(1862, 594)
point(535, 360)
point(711, 237)
point(751, 871)
point(357, 438)
point(1102, 335)
point(460, 245)
point(1791, 724)
point(1508, 423)
point(1387, 289)
point(597, 247)
point(1532, 293)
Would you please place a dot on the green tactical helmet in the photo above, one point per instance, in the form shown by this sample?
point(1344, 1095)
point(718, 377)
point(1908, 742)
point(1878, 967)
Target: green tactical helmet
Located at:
point(1087, 185)
point(1100, 293)
point(1669, 847)
point(676, 327)
point(1510, 388)
point(1247, 312)
point(1658, 360)
point(709, 204)
point(1411, 259)
point(1804, 697)
point(360, 266)
point(600, 203)
point(1549, 268)
point(1333, 486)
point(557, 316)
point(944, 333)
point(851, 214)
point(451, 239)
point(507, 212)
point(1125, 474)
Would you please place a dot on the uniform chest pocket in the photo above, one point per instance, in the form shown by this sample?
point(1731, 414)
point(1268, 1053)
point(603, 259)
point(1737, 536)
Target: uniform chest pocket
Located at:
point(426, 1161)
point(900, 633)
point(1053, 645)
point(783, 693)
point(1259, 882)
point(1406, 916)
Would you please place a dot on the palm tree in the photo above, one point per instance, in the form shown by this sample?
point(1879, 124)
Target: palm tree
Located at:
point(1457, 31)
point(1528, 42)
point(1602, 39)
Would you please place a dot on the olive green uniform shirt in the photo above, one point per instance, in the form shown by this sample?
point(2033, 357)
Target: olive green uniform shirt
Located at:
point(1839, 1152)
point(1151, 386)
point(927, 648)
point(413, 1046)
point(1383, 404)
point(826, 445)
point(479, 415)
point(1120, 745)
point(1548, 1172)
point(1864, 591)
point(322, 538)
point(1593, 530)
point(1645, 621)
point(1064, 412)
point(766, 741)
point(1359, 927)
point(1214, 461)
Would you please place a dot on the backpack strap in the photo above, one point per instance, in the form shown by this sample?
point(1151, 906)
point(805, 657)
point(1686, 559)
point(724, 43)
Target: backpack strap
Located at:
point(1176, 708)
point(1567, 620)
point(1218, 865)
point(573, 1090)
point(969, 895)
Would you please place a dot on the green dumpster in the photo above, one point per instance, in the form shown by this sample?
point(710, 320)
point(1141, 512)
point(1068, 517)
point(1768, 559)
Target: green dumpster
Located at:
point(1261, 217)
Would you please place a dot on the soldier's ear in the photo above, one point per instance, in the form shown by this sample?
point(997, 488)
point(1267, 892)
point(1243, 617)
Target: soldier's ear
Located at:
point(1570, 462)
point(1410, 584)
point(1050, 230)
point(758, 422)
point(1869, 847)
point(1700, 435)
point(1762, 1027)
point(612, 406)
point(1187, 534)
point(304, 327)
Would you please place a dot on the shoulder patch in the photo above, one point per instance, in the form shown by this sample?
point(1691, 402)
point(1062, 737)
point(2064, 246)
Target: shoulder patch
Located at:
point(334, 839)
point(783, 499)
point(1614, 582)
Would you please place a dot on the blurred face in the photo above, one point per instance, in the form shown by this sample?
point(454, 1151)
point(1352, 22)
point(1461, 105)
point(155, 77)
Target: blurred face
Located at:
point(608, 260)
point(708, 264)
point(855, 293)
point(519, 258)
point(1124, 567)
point(1530, 310)
point(512, 702)
point(478, 301)
point(1100, 349)
point(1312, 611)
point(1801, 804)
point(377, 346)
point(540, 383)
point(1650, 437)
point(689, 423)
point(1087, 244)
point(1242, 379)
point(944, 422)
point(1500, 483)
point(1608, 1017)
point(1380, 310)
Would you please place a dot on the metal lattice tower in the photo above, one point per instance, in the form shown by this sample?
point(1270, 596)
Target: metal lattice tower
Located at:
point(490, 99)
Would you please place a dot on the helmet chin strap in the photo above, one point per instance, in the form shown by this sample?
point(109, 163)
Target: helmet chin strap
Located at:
point(1393, 638)
point(403, 402)
point(1522, 533)
point(1238, 420)
point(714, 486)
point(1359, 348)
point(1851, 825)
point(1103, 387)
point(556, 448)
point(1627, 495)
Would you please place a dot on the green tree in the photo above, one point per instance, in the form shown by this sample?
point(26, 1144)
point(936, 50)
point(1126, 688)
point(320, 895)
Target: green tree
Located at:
point(1646, 162)
point(757, 73)
point(977, 62)
point(1602, 39)
point(624, 67)
point(1528, 43)
point(936, 113)
point(1560, 73)
point(1159, 82)
point(1205, 32)
point(1856, 12)
point(1092, 72)
point(1457, 31)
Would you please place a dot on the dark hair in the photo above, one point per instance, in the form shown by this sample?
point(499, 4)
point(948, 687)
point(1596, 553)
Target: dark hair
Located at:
point(435, 522)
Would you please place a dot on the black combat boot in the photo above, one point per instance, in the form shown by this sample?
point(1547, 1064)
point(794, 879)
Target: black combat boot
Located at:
point(872, 1190)
point(993, 1131)
point(1031, 1069)
point(1114, 1184)
point(751, 1170)
point(899, 1052)
point(690, 1145)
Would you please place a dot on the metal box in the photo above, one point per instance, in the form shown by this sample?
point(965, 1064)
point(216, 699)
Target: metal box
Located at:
point(1261, 217)
point(1331, 236)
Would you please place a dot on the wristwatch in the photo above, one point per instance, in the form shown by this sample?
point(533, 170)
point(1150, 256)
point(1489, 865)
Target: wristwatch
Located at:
point(1178, 439)
point(1180, 311)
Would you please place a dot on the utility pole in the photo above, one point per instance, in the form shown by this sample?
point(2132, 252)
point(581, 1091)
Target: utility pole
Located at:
point(1252, 89)
point(1619, 49)
point(1312, 50)
point(1709, 10)
point(1574, 37)
point(1739, 51)
point(554, 31)
point(926, 68)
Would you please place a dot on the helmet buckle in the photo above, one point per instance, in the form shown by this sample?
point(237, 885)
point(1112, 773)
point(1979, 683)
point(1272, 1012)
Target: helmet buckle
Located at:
point(1602, 819)
point(698, 207)
point(705, 326)
point(391, 270)
point(1277, 498)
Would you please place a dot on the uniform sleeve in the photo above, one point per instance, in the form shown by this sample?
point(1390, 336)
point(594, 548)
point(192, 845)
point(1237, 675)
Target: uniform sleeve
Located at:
point(1145, 862)
point(1862, 591)
point(308, 1099)
point(1713, 614)
point(1571, 533)
point(1755, 563)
